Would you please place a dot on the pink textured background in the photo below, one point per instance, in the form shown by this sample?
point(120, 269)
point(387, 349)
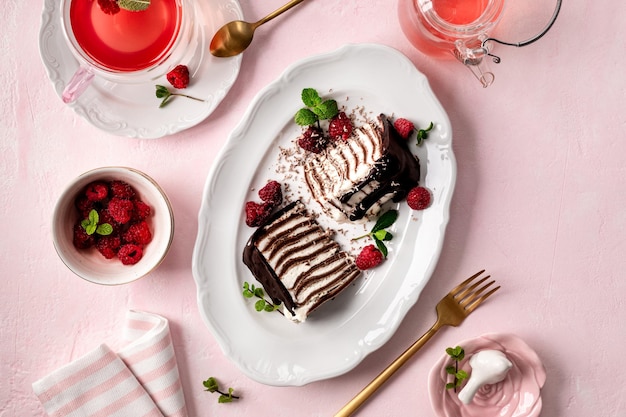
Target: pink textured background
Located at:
point(539, 202)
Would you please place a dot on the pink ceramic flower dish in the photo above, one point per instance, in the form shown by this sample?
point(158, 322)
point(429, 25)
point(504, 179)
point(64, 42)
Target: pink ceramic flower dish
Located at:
point(518, 395)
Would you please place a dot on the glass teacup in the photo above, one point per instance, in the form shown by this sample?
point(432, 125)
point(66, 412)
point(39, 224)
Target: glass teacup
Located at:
point(125, 46)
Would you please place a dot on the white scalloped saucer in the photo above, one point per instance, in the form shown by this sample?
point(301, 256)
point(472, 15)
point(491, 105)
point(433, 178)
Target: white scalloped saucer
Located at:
point(132, 109)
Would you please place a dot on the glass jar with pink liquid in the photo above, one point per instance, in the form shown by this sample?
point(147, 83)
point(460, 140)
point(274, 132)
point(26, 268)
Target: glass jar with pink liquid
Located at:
point(459, 29)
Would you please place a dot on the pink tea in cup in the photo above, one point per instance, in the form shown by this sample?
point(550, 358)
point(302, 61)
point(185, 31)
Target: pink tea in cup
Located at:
point(127, 40)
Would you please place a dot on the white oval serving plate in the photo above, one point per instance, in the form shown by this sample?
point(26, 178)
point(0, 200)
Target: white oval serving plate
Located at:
point(267, 347)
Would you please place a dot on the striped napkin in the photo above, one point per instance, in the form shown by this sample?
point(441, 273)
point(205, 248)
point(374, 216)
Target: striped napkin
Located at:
point(141, 380)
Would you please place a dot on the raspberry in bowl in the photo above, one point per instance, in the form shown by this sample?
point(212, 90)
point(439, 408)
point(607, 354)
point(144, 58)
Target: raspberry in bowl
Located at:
point(112, 225)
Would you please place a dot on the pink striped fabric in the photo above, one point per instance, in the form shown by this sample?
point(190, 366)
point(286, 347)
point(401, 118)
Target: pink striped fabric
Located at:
point(140, 380)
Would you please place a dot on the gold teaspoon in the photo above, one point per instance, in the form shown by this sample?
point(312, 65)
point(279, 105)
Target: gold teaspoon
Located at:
point(234, 37)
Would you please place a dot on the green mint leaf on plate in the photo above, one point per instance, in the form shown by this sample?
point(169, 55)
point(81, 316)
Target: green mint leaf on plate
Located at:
point(386, 220)
point(378, 232)
point(382, 235)
point(456, 354)
point(422, 134)
point(310, 97)
point(133, 5)
point(305, 117)
point(316, 108)
point(250, 290)
point(381, 247)
point(327, 109)
point(247, 291)
point(164, 93)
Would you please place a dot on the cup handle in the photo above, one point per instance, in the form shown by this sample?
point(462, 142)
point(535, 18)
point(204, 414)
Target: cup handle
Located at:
point(78, 84)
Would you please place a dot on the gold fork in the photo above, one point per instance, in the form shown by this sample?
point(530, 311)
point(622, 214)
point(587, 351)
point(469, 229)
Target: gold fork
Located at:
point(451, 311)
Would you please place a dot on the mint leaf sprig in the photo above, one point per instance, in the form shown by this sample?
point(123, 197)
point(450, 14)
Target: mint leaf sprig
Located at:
point(316, 108)
point(164, 93)
point(422, 134)
point(378, 232)
point(212, 386)
point(91, 226)
point(457, 354)
point(250, 291)
point(134, 5)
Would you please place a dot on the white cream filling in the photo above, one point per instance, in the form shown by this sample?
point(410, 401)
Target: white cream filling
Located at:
point(341, 167)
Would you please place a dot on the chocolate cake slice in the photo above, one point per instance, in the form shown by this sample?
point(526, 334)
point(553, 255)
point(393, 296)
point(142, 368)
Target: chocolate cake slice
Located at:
point(297, 262)
point(352, 179)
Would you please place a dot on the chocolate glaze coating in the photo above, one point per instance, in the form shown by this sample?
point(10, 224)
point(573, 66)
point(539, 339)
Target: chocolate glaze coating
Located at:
point(264, 273)
point(396, 172)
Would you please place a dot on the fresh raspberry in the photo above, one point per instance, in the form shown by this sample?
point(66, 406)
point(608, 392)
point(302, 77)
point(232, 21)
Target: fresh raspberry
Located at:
point(118, 205)
point(130, 254)
point(418, 198)
point(84, 205)
point(96, 191)
point(81, 239)
point(121, 210)
point(272, 193)
point(257, 214)
point(109, 6)
point(369, 257)
point(108, 246)
point(312, 140)
point(142, 210)
point(105, 217)
point(122, 189)
point(179, 76)
point(404, 127)
point(138, 233)
point(340, 126)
